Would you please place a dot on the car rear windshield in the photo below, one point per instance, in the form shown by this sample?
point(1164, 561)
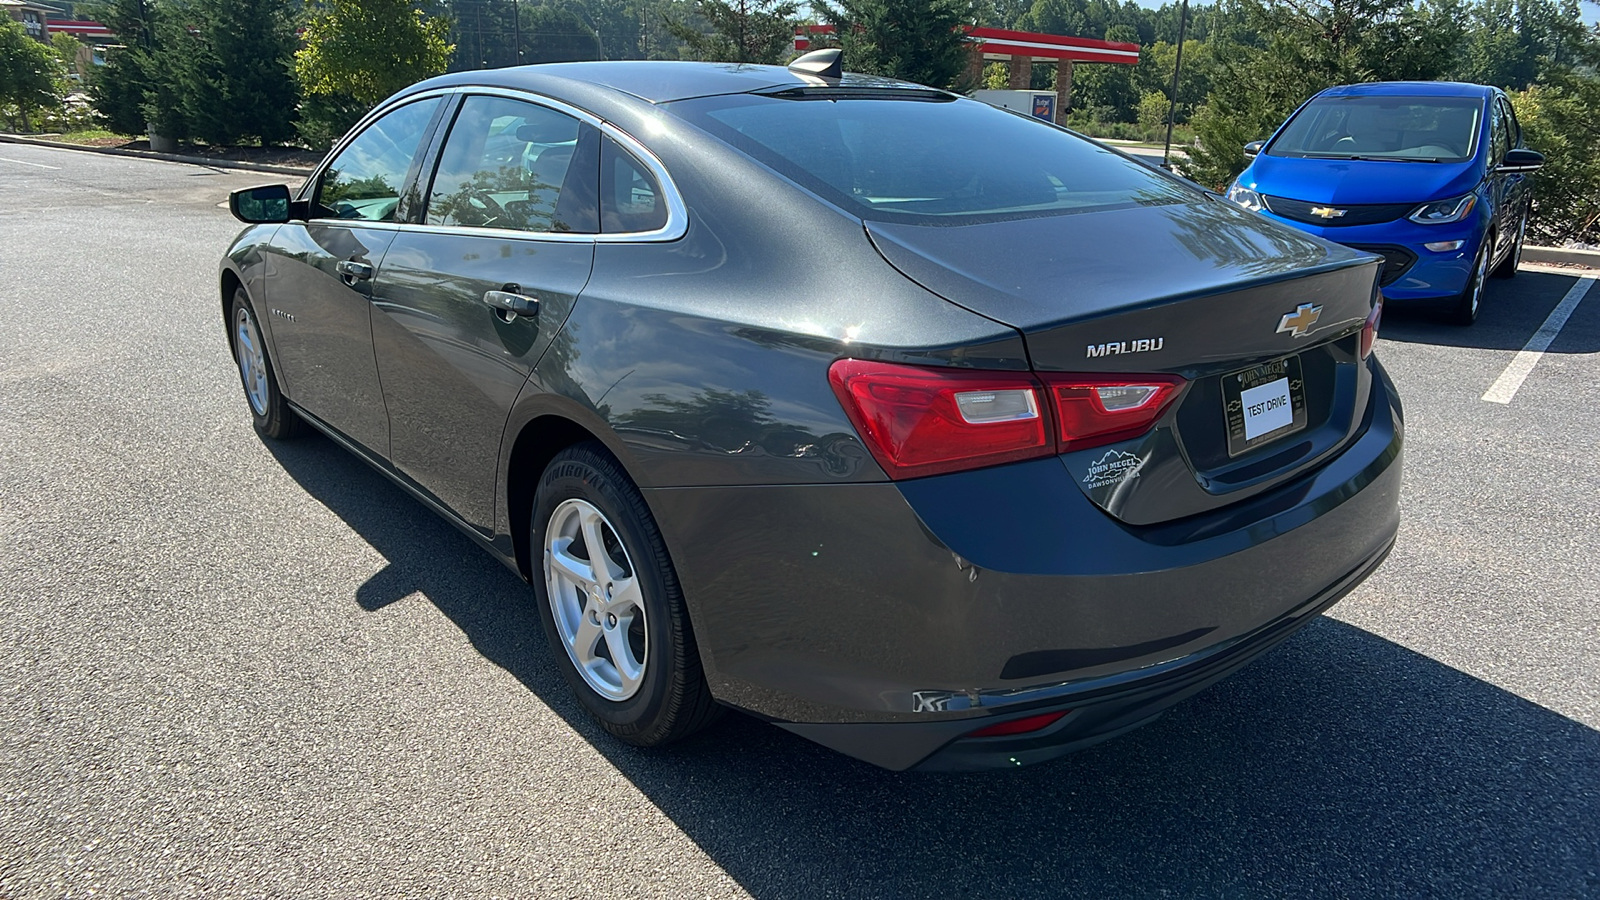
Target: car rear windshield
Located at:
point(1435, 129)
point(928, 158)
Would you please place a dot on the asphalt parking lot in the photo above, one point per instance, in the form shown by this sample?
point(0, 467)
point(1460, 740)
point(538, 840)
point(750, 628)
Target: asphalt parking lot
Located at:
point(230, 669)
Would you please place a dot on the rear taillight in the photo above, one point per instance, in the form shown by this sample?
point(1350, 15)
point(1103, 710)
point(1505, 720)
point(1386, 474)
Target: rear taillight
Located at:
point(1369, 330)
point(919, 420)
point(1099, 409)
point(924, 421)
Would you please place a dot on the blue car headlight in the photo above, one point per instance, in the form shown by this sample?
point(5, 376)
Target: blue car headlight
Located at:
point(1245, 197)
point(1443, 212)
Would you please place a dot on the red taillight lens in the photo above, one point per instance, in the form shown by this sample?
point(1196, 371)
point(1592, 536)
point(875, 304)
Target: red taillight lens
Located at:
point(920, 420)
point(1369, 330)
point(1021, 726)
point(1099, 409)
point(924, 421)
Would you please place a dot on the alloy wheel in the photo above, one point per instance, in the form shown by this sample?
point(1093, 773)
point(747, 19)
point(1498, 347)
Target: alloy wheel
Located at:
point(1479, 275)
point(252, 360)
point(596, 600)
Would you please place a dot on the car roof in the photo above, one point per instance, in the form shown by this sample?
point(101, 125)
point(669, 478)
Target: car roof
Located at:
point(1409, 89)
point(654, 81)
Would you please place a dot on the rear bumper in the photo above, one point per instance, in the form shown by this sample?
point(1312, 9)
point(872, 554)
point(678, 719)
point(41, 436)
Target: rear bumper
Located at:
point(1099, 713)
point(889, 620)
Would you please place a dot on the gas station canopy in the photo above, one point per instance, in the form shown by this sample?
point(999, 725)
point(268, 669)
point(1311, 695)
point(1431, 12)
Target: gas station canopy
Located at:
point(1020, 49)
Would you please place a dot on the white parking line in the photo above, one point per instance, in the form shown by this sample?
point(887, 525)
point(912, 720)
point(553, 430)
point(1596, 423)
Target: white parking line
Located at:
point(23, 162)
point(1505, 387)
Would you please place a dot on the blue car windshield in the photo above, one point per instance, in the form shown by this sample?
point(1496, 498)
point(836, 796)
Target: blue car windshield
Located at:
point(1432, 129)
point(927, 158)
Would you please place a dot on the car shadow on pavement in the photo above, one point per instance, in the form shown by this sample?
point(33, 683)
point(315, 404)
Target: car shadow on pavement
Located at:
point(1511, 312)
point(1339, 765)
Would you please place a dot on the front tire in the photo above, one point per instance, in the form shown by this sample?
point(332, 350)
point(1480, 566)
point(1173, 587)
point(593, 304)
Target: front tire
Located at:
point(1508, 266)
point(609, 599)
point(1465, 311)
point(269, 411)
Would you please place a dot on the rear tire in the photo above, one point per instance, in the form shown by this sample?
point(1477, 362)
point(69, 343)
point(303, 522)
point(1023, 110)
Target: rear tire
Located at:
point(619, 629)
point(269, 411)
point(1465, 311)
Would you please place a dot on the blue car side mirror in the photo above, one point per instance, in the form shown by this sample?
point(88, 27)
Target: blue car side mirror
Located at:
point(1521, 161)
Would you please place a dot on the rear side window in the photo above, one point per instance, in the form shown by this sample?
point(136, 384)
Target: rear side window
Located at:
point(506, 164)
point(630, 197)
point(934, 160)
point(364, 181)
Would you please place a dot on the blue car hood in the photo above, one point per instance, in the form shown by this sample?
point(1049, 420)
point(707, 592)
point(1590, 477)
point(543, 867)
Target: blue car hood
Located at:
point(1357, 181)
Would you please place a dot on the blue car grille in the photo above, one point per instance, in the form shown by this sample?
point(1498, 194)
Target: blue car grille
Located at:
point(1396, 260)
point(1369, 214)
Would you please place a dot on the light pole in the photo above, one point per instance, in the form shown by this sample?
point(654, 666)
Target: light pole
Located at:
point(516, 31)
point(1172, 103)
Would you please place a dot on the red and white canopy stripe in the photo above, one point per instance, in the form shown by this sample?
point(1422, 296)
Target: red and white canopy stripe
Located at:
point(1001, 42)
point(78, 29)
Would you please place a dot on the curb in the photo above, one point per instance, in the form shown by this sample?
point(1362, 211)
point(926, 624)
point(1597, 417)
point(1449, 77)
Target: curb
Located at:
point(1589, 259)
point(161, 157)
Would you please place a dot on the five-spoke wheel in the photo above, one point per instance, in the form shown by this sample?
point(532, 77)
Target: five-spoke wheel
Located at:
point(610, 602)
point(595, 599)
point(269, 410)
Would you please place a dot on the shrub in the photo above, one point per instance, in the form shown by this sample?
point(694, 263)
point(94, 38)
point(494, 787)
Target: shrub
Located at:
point(1562, 120)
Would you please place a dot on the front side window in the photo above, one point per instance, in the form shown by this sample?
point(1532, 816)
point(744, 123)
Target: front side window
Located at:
point(1428, 129)
point(506, 164)
point(364, 181)
point(1511, 119)
point(924, 158)
point(1500, 137)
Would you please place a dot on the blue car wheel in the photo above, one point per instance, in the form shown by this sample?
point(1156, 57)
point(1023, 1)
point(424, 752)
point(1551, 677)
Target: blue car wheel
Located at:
point(1466, 309)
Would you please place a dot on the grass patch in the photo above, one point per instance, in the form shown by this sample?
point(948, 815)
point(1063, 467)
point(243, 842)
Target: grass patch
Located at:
point(92, 137)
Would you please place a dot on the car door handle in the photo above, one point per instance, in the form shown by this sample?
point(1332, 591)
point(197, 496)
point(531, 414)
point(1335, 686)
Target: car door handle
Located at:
point(352, 271)
point(511, 302)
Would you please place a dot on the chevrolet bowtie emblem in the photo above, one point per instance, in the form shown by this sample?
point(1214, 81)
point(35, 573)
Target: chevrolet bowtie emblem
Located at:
point(1299, 322)
point(1328, 212)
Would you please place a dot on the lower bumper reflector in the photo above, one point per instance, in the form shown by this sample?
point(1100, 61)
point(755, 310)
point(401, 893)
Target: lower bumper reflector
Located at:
point(1021, 726)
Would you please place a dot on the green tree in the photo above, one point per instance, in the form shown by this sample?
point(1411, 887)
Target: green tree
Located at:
point(30, 75)
point(1514, 43)
point(914, 40)
point(369, 49)
point(746, 31)
point(1274, 55)
point(557, 34)
point(234, 71)
point(1559, 119)
point(117, 89)
point(66, 48)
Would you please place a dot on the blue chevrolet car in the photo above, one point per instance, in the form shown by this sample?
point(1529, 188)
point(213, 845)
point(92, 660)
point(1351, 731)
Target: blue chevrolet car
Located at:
point(1432, 176)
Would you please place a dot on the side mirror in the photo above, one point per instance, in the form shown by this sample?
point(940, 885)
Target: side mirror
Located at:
point(260, 205)
point(1253, 149)
point(1521, 161)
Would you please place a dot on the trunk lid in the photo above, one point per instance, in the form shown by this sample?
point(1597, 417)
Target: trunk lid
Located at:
point(1203, 290)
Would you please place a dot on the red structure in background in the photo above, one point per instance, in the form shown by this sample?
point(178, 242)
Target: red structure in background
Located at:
point(1019, 49)
point(89, 32)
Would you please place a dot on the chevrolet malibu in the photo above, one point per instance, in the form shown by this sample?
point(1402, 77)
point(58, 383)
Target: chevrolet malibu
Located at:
point(931, 432)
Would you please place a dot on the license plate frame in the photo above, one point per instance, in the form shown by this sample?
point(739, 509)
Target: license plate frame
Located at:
point(1234, 384)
